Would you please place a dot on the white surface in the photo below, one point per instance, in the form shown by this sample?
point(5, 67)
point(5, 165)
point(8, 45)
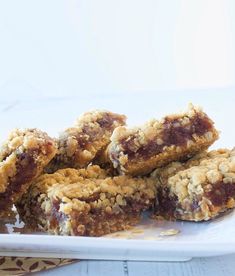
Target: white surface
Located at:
point(197, 267)
point(55, 114)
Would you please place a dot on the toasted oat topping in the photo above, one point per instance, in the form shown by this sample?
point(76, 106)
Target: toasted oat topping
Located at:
point(72, 184)
point(66, 177)
point(174, 167)
point(80, 144)
point(198, 178)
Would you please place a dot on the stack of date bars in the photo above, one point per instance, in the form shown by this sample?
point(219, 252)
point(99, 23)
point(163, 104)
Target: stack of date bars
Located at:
point(99, 176)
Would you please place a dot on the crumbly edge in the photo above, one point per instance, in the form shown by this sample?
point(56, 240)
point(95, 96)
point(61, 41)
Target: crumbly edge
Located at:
point(169, 154)
point(93, 227)
point(23, 157)
point(152, 131)
point(66, 177)
point(149, 129)
point(28, 205)
point(118, 186)
point(89, 200)
point(79, 145)
point(174, 167)
point(202, 191)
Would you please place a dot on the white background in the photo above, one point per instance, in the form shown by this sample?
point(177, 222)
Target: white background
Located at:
point(87, 46)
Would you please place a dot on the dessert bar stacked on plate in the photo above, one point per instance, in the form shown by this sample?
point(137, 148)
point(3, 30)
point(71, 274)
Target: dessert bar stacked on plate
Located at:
point(99, 175)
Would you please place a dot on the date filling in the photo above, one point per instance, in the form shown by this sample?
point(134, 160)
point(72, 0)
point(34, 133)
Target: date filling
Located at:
point(173, 133)
point(97, 221)
point(170, 207)
point(26, 171)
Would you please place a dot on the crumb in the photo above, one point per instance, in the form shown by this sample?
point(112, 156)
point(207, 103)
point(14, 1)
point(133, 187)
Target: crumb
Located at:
point(170, 232)
point(137, 231)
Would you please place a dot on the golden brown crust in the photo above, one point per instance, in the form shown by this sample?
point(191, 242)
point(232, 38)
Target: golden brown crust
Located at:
point(69, 202)
point(174, 167)
point(66, 177)
point(79, 145)
point(22, 158)
point(140, 150)
point(199, 189)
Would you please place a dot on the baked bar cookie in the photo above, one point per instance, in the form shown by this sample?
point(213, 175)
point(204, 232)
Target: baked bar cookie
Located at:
point(87, 203)
point(199, 189)
point(139, 151)
point(79, 145)
point(22, 158)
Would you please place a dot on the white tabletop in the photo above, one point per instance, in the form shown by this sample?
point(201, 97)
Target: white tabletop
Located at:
point(219, 266)
point(53, 114)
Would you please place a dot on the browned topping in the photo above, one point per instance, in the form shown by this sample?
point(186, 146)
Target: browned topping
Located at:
point(91, 198)
point(221, 193)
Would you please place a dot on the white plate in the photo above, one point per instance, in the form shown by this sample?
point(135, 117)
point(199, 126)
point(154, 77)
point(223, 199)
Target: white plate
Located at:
point(204, 239)
point(146, 242)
